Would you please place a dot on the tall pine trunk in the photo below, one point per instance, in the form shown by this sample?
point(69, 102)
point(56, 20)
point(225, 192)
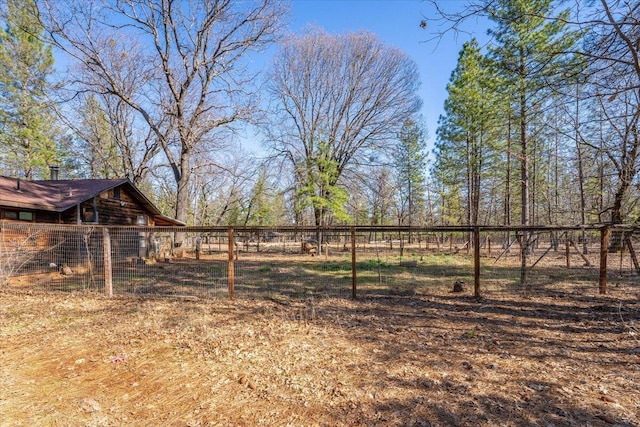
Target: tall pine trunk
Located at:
point(524, 174)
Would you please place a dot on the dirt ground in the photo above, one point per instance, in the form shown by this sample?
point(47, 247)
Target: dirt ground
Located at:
point(554, 359)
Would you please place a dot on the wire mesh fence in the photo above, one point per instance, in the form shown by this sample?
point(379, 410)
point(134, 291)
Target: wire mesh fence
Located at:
point(303, 262)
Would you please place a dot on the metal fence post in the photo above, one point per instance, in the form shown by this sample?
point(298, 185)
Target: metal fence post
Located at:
point(476, 261)
point(354, 278)
point(108, 268)
point(604, 248)
point(231, 266)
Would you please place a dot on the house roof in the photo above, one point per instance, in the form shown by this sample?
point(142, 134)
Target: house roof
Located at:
point(60, 195)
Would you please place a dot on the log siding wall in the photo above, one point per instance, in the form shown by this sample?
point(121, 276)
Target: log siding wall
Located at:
point(111, 211)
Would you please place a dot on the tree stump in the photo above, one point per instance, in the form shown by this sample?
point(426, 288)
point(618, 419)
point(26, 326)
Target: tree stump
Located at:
point(458, 286)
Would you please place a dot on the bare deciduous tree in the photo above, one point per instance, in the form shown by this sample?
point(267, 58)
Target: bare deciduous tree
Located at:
point(178, 64)
point(110, 139)
point(340, 98)
point(613, 49)
point(615, 84)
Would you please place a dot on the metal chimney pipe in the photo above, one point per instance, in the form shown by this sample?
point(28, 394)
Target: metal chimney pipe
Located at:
point(55, 170)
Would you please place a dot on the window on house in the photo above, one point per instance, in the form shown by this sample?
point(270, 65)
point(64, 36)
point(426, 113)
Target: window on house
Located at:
point(15, 215)
point(116, 193)
point(25, 216)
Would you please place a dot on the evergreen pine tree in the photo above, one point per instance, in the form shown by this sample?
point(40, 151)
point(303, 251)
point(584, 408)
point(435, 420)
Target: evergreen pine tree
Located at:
point(411, 163)
point(27, 136)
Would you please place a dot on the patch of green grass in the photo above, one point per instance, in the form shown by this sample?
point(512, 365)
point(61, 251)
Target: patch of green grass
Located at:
point(373, 264)
point(265, 268)
point(335, 266)
point(443, 260)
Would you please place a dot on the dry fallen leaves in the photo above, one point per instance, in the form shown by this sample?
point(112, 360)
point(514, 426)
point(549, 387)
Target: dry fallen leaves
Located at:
point(404, 360)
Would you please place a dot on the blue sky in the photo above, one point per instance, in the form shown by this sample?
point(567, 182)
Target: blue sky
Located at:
point(397, 23)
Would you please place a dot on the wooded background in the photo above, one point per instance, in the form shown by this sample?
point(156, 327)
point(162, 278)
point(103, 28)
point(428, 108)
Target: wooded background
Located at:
point(540, 125)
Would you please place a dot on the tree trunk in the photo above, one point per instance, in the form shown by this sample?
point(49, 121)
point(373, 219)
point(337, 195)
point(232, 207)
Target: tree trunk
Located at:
point(182, 176)
point(469, 174)
point(524, 177)
point(583, 204)
point(507, 190)
point(616, 240)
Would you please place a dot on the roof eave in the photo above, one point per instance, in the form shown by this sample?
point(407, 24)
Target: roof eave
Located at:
point(47, 208)
point(171, 221)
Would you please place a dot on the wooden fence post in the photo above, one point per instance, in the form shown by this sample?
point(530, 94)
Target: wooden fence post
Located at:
point(108, 271)
point(231, 266)
point(604, 247)
point(354, 279)
point(567, 253)
point(326, 248)
point(476, 261)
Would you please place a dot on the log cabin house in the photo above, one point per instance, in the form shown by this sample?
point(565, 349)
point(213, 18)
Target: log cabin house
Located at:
point(81, 201)
point(26, 205)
